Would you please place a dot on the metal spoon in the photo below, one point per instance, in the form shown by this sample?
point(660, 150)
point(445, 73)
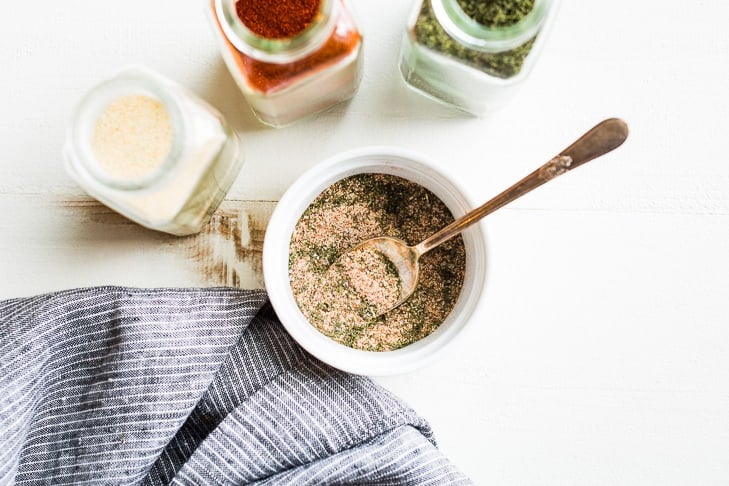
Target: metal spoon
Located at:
point(601, 139)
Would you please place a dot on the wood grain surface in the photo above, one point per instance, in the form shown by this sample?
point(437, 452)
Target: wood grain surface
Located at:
point(79, 242)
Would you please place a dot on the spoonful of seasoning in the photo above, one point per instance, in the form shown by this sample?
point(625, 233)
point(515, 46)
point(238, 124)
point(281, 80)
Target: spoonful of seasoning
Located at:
point(384, 271)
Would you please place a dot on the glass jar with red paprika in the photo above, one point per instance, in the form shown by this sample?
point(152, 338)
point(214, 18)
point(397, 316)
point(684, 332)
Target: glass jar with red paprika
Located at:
point(291, 58)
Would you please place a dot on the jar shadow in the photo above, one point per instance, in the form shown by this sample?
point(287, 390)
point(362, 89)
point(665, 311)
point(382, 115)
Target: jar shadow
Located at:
point(399, 99)
point(221, 91)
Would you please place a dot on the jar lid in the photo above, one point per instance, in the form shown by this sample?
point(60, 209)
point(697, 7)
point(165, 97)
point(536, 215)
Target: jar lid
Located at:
point(480, 37)
point(91, 108)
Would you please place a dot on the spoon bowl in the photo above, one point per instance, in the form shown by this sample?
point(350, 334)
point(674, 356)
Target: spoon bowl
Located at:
point(405, 261)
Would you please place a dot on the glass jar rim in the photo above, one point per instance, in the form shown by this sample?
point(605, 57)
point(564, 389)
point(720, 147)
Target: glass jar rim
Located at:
point(480, 37)
point(135, 80)
point(279, 51)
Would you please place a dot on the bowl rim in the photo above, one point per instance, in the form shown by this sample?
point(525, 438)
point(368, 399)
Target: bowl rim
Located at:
point(275, 269)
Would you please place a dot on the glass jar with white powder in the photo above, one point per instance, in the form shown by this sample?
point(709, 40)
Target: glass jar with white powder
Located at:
point(152, 151)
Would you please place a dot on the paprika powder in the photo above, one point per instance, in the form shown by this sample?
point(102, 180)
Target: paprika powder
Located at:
point(290, 58)
point(277, 20)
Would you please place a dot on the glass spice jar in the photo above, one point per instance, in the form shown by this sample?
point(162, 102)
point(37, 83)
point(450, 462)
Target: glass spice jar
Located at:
point(152, 151)
point(290, 58)
point(472, 54)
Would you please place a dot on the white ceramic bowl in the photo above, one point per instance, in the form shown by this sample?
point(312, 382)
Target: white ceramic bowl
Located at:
point(276, 250)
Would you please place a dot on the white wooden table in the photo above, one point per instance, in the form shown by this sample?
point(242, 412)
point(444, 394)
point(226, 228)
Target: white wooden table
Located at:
point(600, 354)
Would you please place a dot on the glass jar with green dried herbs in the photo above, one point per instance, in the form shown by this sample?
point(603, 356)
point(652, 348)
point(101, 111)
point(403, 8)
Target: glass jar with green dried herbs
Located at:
point(471, 54)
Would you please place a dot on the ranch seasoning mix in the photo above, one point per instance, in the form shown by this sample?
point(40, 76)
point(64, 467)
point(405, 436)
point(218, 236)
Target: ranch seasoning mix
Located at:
point(349, 212)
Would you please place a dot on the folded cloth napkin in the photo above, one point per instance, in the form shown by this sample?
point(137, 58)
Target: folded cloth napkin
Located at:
point(116, 385)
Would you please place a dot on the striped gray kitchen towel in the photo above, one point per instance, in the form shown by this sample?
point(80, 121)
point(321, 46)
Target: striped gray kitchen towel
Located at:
point(116, 385)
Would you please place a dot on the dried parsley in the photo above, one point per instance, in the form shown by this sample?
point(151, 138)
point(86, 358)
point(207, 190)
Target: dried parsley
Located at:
point(489, 13)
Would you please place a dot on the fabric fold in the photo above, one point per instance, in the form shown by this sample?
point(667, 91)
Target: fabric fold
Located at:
point(96, 382)
point(115, 385)
point(300, 418)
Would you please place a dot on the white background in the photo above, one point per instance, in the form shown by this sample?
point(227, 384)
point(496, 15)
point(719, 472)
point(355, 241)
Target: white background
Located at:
point(600, 354)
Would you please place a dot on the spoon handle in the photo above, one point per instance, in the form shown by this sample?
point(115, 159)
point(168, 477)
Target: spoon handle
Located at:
point(601, 139)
